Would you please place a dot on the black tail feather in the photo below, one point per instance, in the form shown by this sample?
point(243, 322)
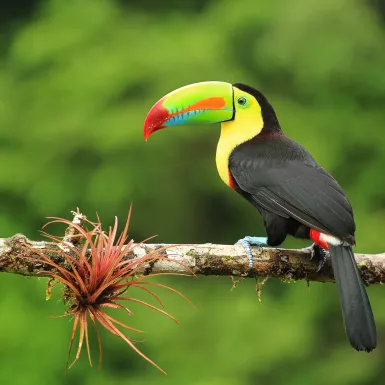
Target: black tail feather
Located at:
point(356, 310)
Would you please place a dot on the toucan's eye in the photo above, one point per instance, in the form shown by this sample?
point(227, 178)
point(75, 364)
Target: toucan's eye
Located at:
point(242, 101)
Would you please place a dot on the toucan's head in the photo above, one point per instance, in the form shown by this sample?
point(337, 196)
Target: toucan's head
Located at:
point(212, 102)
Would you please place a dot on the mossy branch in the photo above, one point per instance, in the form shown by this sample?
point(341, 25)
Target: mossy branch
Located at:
point(205, 259)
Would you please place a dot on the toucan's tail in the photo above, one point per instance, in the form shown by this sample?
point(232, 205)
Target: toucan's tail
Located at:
point(356, 310)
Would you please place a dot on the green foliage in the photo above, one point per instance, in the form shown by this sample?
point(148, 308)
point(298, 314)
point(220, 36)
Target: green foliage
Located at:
point(76, 82)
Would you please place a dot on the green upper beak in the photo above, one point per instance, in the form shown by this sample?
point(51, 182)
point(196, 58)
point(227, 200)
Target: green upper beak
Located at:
point(206, 102)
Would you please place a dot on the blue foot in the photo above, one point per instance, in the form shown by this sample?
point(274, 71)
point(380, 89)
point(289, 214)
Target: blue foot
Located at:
point(247, 242)
point(319, 253)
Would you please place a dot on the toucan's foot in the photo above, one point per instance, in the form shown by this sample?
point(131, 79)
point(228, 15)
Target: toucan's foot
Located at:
point(319, 253)
point(247, 242)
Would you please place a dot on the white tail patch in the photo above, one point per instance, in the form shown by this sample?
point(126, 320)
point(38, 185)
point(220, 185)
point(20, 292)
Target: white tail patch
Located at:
point(330, 239)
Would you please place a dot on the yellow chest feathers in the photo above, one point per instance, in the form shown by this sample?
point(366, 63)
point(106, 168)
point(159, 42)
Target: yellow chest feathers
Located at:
point(247, 123)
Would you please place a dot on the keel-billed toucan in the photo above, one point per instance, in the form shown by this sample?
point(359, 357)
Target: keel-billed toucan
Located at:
point(281, 179)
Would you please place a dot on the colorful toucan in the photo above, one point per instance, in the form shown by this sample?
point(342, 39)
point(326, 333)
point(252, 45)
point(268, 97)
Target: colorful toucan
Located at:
point(281, 179)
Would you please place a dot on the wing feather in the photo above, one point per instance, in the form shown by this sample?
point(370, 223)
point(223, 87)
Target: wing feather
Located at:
point(295, 186)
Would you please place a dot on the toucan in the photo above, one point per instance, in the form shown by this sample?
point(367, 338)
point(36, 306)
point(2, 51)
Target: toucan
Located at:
point(292, 192)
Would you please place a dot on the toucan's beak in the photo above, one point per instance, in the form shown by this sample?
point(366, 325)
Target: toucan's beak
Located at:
point(206, 102)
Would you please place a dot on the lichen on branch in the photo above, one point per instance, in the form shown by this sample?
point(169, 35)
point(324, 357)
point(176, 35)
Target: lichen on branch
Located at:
point(204, 259)
point(98, 267)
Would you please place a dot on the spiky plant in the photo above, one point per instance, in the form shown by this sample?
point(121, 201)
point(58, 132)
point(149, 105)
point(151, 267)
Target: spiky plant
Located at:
point(96, 276)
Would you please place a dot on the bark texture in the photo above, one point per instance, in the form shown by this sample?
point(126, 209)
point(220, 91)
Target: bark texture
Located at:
point(205, 259)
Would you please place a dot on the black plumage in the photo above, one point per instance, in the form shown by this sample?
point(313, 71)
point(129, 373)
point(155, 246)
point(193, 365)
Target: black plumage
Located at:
point(277, 175)
point(294, 194)
point(356, 309)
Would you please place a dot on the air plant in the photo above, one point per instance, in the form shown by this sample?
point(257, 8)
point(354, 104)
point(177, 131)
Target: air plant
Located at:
point(96, 275)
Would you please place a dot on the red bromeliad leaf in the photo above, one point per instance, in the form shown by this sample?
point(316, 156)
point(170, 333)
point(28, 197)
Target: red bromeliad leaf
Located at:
point(96, 277)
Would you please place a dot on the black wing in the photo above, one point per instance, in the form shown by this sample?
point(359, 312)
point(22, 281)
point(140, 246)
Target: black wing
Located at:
point(282, 177)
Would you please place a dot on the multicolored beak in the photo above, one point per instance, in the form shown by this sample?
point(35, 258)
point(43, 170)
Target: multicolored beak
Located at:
point(206, 102)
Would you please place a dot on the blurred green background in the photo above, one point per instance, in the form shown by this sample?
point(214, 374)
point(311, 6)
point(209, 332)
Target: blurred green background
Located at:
point(77, 78)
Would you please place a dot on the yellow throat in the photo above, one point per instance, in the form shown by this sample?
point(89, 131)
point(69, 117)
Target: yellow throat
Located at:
point(248, 123)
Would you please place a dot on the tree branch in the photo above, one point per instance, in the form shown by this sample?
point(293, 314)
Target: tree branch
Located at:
point(206, 259)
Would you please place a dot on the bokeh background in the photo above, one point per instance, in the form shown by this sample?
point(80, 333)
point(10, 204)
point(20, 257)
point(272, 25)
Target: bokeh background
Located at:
point(76, 81)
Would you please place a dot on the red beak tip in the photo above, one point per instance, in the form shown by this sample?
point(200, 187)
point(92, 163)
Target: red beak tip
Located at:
point(155, 119)
point(148, 130)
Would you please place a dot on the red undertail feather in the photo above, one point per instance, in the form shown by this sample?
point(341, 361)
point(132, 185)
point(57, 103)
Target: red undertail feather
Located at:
point(316, 237)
